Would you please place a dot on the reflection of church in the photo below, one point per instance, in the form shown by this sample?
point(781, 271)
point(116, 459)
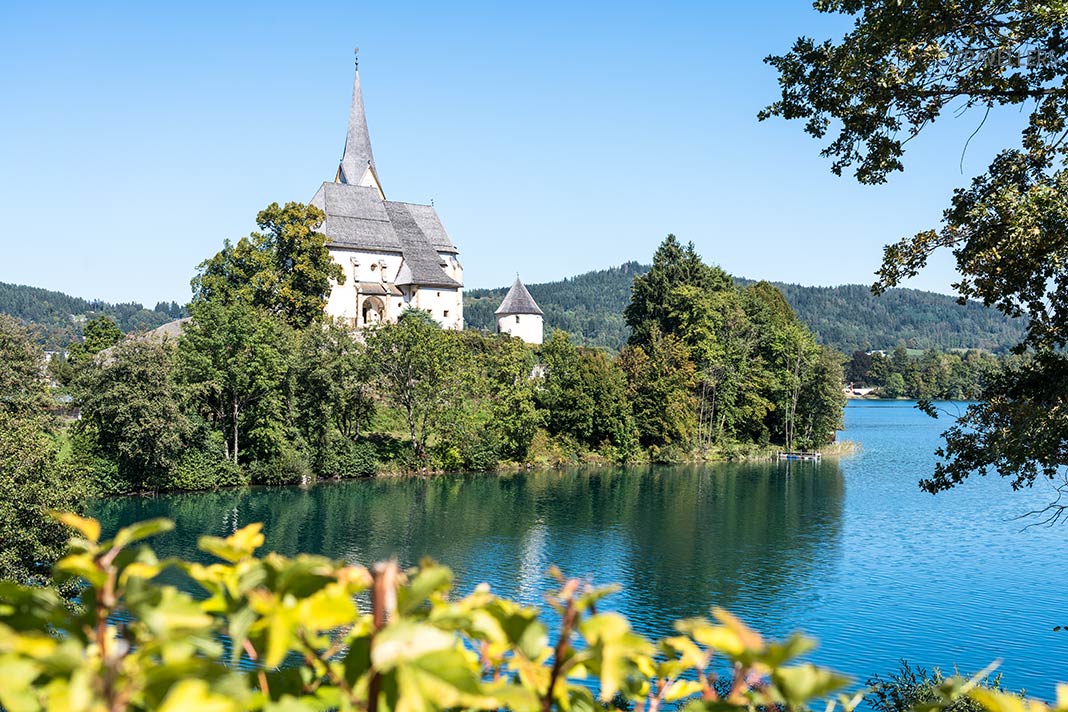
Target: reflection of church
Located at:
point(394, 255)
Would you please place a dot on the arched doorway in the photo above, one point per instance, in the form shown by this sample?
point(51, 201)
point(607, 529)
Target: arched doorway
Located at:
point(374, 311)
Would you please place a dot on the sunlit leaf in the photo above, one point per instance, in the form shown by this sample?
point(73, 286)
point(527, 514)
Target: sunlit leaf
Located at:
point(89, 528)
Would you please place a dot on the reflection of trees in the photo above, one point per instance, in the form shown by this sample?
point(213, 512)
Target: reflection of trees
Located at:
point(746, 537)
point(679, 539)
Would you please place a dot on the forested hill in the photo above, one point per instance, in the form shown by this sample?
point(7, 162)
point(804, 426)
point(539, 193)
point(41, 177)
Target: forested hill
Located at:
point(590, 307)
point(56, 318)
point(849, 317)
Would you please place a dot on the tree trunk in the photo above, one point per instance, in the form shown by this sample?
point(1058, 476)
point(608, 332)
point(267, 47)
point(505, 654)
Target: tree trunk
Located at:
point(411, 430)
point(235, 430)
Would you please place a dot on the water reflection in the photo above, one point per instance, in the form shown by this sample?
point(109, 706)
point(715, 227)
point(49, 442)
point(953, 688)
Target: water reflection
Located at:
point(680, 539)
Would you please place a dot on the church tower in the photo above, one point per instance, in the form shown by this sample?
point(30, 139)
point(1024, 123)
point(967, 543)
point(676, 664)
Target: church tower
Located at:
point(395, 255)
point(520, 316)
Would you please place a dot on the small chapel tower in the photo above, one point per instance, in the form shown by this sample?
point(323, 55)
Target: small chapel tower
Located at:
point(519, 315)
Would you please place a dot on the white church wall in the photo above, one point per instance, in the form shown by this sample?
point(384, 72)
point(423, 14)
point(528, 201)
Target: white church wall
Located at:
point(367, 268)
point(528, 327)
point(444, 304)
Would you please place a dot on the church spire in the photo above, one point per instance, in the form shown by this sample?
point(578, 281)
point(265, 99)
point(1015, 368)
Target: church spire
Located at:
point(358, 163)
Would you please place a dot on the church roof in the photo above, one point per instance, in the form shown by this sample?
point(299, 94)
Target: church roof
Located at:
point(358, 155)
point(518, 301)
point(422, 264)
point(358, 217)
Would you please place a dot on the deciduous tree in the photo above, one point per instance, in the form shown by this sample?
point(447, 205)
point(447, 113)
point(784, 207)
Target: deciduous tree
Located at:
point(129, 402)
point(422, 369)
point(285, 270)
point(879, 87)
point(234, 360)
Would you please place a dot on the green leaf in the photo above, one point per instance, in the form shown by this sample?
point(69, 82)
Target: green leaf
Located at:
point(89, 528)
point(142, 530)
point(197, 695)
point(220, 548)
point(801, 684)
point(405, 641)
point(429, 580)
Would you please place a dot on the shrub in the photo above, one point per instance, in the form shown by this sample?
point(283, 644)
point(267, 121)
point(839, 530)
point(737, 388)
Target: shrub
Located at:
point(445, 456)
point(350, 459)
point(205, 467)
point(296, 625)
point(909, 688)
point(290, 467)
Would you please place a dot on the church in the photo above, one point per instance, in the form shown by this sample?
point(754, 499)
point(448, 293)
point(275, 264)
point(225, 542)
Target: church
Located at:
point(394, 255)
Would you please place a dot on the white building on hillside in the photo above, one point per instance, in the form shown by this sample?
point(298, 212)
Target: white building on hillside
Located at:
point(519, 315)
point(394, 255)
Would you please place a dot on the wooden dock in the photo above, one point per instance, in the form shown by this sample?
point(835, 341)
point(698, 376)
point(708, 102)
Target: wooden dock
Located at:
point(802, 456)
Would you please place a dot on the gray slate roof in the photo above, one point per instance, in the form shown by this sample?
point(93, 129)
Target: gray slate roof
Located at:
point(357, 154)
point(422, 263)
point(357, 218)
point(518, 301)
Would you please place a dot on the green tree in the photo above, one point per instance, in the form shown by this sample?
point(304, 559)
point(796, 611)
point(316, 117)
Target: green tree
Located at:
point(332, 387)
point(23, 390)
point(32, 480)
point(657, 297)
point(894, 386)
point(130, 405)
point(514, 415)
point(583, 395)
point(821, 400)
point(900, 68)
point(286, 269)
point(421, 368)
point(233, 361)
point(99, 334)
point(660, 389)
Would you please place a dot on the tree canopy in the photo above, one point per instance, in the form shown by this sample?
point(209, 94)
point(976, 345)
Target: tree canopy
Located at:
point(286, 269)
point(901, 67)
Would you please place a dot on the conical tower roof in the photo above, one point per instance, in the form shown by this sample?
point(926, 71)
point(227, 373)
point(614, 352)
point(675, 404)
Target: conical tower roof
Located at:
point(518, 301)
point(357, 157)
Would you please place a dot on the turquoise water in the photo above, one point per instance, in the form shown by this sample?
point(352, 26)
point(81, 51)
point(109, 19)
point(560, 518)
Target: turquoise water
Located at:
point(849, 551)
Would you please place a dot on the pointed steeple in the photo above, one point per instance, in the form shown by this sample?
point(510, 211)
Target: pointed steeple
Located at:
point(518, 301)
point(357, 163)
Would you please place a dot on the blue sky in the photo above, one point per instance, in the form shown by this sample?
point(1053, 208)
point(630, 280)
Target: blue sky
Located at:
point(554, 138)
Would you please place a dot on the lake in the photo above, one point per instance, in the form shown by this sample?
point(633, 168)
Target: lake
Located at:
point(849, 551)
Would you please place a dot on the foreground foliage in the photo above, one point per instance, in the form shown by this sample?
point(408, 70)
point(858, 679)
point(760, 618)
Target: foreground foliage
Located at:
point(308, 641)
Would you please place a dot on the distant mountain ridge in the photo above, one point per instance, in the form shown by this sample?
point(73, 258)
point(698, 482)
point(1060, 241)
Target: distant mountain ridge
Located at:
point(590, 307)
point(848, 317)
point(56, 318)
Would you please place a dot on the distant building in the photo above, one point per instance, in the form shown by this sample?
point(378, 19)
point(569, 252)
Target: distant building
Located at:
point(394, 255)
point(519, 315)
